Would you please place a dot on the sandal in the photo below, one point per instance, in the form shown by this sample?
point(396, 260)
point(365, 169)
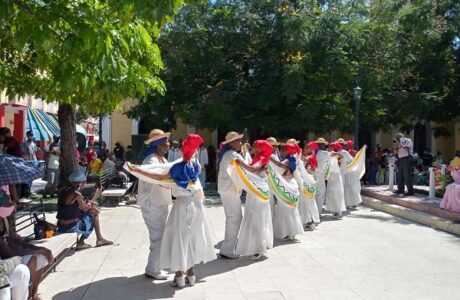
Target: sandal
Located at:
point(103, 243)
point(83, 246)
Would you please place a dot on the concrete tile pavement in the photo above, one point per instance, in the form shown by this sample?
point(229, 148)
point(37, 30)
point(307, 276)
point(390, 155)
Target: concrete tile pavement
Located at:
point(367, 255)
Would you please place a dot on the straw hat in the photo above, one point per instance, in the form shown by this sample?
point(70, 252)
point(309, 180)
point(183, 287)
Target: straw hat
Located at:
point(156, 134)
point(231, 137)
point(272, 141)
point(321, 141)
point(342, 141)
point(292, 141)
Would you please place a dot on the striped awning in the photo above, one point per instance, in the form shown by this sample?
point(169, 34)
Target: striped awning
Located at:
point(45, 125)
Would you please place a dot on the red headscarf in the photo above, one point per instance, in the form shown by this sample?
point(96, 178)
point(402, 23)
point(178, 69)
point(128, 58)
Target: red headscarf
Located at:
point(350, 147)
point(189, 146)
point(265, 151)
point(312, 158)
point(335, 146)
point(292, 149)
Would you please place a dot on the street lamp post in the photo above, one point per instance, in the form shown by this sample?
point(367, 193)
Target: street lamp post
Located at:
point(357, 91)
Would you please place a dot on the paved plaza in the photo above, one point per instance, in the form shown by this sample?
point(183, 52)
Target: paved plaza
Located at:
point(367, 255)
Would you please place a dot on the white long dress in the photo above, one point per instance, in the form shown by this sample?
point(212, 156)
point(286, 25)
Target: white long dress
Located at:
point(187, 238)
point(308, 209)
point(256, 232)
point(335, 201)
point(355, 170)
point(321, 173)
point(287, 218)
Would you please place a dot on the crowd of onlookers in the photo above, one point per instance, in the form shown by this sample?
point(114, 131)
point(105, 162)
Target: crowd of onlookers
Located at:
point(379, 162)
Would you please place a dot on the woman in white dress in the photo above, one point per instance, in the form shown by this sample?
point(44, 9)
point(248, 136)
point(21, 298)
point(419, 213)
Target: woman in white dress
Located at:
point(256, 233)
point(187, 237)
point(287, 223)
point(308, 209)
point(335, 201)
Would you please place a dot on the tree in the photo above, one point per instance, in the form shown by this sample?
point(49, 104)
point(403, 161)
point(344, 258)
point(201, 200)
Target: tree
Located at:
point(89, 53)
point(290, 65)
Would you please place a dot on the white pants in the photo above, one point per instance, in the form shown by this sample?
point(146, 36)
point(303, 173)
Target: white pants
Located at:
point(233, 216)
point(19, 283)
point(155, 218)
point(320, 193)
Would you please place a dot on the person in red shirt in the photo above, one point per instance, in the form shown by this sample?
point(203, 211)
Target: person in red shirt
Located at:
point(89, 153)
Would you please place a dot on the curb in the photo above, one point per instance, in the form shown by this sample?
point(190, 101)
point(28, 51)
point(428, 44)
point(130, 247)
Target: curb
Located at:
point(413, 215)
point(422, 207)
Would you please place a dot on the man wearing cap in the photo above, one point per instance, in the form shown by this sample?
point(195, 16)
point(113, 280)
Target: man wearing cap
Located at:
point(405, 148)
point(321, 173)
point(230, 197)
point(154, 200)
point(174, 152)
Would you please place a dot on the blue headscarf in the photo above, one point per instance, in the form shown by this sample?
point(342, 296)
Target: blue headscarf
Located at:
point(152, 147)
point(183, 173)
point(224, 149)
point(292, 163)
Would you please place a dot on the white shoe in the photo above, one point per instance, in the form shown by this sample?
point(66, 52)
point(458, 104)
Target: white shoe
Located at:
point(161, 275)
point(256, 256)
point(190, 280)
point(178, 282)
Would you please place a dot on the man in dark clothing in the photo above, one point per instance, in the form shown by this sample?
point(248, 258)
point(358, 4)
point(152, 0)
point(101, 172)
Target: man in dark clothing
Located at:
point(119, 152)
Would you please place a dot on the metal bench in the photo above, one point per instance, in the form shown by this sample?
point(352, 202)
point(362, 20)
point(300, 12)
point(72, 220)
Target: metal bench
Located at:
point(60, 244)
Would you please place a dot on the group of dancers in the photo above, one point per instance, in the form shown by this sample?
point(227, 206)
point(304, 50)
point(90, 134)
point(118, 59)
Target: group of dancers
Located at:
point(285, 187)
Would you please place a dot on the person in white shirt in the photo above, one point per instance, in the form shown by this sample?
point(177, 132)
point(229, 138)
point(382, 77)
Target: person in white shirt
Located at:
point(229, 195)
point(174, 153)
point(153, 201)
point(204, 161)
point(404, 147)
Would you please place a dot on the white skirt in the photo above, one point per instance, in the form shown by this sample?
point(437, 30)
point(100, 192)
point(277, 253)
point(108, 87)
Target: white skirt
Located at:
point(335, 201)
point(256, 232)
point(187, 237)
point(352, 190)
point(287, 221)
point(308, 210)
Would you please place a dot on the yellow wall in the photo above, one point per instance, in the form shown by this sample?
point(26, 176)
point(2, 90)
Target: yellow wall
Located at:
point(181, 132)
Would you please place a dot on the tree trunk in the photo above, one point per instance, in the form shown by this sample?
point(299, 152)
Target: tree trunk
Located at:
point(67, 123)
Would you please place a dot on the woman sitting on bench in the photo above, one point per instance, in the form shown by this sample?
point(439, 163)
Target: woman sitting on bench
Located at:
point(77, 215)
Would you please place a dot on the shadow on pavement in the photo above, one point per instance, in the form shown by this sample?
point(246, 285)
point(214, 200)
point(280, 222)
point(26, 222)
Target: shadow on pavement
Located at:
point(141, 287)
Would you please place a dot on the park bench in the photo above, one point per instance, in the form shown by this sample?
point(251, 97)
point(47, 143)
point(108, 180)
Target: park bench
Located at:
point(114, 191)
point(60, 244)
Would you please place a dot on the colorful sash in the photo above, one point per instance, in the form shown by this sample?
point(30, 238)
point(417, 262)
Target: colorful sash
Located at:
point(248, 181)
point(358, 164)
point(309, 182)
point(287, 191)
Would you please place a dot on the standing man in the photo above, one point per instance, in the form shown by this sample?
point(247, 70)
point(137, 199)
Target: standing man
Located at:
point(119, 152)
point(154, 200)
point(174, 153)
point(230, 197)
point(29, 147)
point(204, 161)
point(404, 148)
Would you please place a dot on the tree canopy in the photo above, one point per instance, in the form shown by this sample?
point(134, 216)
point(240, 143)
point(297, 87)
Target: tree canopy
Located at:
point(291, 65)
point(87, 53)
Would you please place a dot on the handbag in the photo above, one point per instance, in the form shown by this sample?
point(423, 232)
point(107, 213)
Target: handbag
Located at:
point(41, 227)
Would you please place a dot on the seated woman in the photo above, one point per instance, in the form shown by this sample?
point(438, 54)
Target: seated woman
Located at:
point(451, 199)
point(77, 215)
point(35, 258)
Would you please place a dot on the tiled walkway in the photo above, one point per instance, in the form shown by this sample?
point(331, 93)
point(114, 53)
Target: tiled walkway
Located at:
point(367, 255)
